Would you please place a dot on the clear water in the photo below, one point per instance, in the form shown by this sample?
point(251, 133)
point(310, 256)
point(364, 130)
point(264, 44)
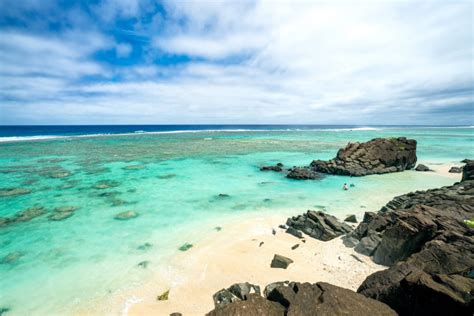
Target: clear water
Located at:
point(174, 187)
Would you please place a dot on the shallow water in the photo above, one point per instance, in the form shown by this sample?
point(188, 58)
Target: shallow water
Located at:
point(173, 182)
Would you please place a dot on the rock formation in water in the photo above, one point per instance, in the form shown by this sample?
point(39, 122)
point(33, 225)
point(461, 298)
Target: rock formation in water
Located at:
point(293, 298)
point(423, 238)
point(380, 155)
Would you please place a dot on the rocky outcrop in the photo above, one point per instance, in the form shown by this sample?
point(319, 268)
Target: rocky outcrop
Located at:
point(380, 155)
point(318, 225)
point(424, 239)
point(292, 298)
point(303, 173)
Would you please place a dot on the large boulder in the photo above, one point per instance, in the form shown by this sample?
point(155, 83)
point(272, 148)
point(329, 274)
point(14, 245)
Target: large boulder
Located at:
point(319, 225)
point(298, 299)
point(380, 155)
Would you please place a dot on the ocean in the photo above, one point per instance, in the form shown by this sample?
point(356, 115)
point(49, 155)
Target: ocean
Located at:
point(183, 181)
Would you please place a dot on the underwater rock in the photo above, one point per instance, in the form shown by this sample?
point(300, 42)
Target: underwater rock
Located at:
point(6, 192)
point(134, 167)
point(278, 168)
point(59, 216)
point(145, 246)
point(66, 209)
point(59, 174)
point(281, 262)
point(29, 214)
point(185, 247)
point(12, 257)
point(126, 215)
point(4, 221)
point(163, 296)
point(106, 184)
point(4, 310)
point(218, 228)
point(303, 173)
point(167, 176)
point(144, 264)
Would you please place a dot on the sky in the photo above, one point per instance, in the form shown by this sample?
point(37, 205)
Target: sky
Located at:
point(236, 62)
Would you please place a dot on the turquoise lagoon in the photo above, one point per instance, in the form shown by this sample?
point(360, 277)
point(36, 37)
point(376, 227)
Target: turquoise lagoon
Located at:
point(173, 180)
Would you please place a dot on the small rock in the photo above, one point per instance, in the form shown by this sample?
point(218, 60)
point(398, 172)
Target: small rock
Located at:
point(144, 264)
point(283, 226)
point(277, 168)
point(261, 244)
point(223, 196)
point(126, 215)
point(422, 167)
point(218, 228)
point(351, 219)
point(185, 247)
point(295, 246)
point(280, 262)
point(163, 296)
point(243, 290)
point(176, 314)
point(274, 231)
point(455, 170)
point(134, 167)
point(145, 246)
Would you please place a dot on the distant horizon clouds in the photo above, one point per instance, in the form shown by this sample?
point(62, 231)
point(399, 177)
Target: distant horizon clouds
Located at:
point(237, 62)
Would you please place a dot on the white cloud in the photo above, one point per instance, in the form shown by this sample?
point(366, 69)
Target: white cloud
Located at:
point(255, 62)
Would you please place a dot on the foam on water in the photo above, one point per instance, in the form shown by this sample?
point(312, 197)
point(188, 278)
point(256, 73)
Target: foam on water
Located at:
point(173, 180)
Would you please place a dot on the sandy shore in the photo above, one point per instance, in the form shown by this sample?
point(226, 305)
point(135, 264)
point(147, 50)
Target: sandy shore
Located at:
point(234, 255)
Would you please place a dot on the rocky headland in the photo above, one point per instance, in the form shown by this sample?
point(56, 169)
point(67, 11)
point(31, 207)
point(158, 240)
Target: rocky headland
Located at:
point(378, 156)
point(421, 236)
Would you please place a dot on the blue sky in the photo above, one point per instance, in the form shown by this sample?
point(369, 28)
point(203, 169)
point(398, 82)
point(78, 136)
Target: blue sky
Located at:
point(190, 62)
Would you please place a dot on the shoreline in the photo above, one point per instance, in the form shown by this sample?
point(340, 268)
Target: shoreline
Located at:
point(234, 254)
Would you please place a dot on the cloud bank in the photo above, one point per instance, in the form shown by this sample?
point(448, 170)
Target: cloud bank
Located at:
point(334, 62)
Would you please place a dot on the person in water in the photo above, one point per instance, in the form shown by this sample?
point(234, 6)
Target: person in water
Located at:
point(345, 187)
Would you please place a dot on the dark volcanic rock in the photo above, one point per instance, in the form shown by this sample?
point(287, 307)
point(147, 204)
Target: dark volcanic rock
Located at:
point(422, 167)
point(380, 155)
point(411, 291)
point(278, 167)
point(303, 173)
point(281, 262)
point(255, 305)
point(455, 170)
point(368, 244)
point(468, 170)
point(319, 225)
point(430, 250)
point(299, 299)
point(236, 292)
point(351, 219)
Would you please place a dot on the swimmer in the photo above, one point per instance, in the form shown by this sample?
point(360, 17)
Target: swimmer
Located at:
point(345, 187)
